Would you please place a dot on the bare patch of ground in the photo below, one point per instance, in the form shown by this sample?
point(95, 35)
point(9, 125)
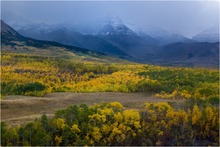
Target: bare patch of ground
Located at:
point(26, 108)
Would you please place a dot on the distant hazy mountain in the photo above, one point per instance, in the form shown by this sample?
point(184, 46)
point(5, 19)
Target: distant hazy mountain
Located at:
point(209, 35)
point(106, 38)
point(52, 33)
point(189, 54)
point(15, 21)
point(153, 35)
point(116, 29)
point(173, 38)
point(13, 42)
point(116, 38)
point(67, 35)
point(162, 36)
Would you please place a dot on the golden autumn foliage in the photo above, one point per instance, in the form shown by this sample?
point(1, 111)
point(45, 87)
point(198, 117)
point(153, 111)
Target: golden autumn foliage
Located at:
point(58, 140)
point(60, 123)
point(196, 115)
point(34, 75)
point(104, 125)
point(75, 128)
point(193, 121)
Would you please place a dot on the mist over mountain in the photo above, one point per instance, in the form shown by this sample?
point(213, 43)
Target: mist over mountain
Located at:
point(146, 32)
point(105, 27)
point(13, 42)
point(39, 30)
point(176, 17)
point(208, 35)
point(116, 39)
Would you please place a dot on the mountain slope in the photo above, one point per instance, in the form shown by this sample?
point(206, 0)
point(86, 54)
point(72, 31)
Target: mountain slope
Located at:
point(13, 42)
point(7, 30)
point(162, 36)
point(111, 37)
point(115, 40)
point(70, 37)
point(118, 34)
point(189, 54)
point(209, 35)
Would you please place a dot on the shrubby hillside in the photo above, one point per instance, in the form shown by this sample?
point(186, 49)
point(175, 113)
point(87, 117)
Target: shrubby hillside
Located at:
point(110, 124)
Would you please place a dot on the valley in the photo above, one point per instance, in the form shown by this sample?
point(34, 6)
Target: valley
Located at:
point(64, 95)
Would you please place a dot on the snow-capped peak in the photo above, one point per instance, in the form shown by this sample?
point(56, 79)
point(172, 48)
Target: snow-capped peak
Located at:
point(208, 35)
point(114, 21)
point(114, 26)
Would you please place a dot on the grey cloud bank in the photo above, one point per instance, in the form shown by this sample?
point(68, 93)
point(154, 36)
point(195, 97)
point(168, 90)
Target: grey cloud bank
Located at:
point(185, 17)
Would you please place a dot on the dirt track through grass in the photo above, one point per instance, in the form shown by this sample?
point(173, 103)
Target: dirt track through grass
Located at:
point(26, 108)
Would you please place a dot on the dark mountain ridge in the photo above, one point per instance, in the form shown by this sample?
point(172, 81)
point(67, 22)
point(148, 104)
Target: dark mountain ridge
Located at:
point(14, 42)
point(128, 45)
point(7, 30)
point(192, 54)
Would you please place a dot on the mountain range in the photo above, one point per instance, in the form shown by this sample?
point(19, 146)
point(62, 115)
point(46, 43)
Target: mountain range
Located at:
point(13, 42)
point(208, 35)
point(115, 38)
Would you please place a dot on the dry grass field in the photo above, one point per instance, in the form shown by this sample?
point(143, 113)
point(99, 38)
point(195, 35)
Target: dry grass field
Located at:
point(19, 109)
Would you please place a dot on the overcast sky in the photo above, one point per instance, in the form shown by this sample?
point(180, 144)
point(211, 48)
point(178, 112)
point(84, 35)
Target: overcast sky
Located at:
point(185, 17)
